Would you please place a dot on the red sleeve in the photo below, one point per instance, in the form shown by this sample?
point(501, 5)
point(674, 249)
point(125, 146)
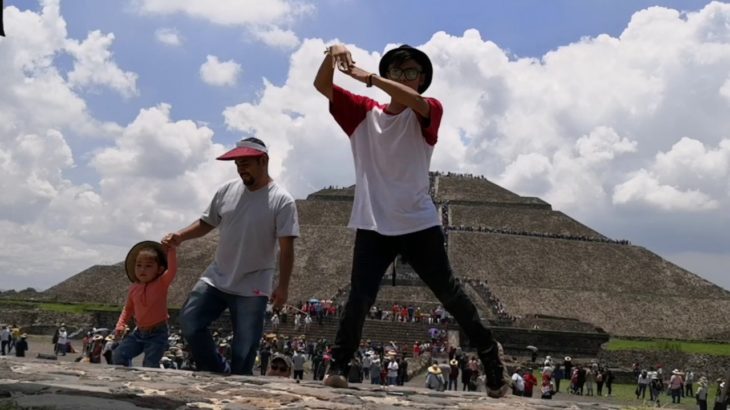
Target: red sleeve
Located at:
point(349, 109)
point(127, 312)
point(430, 125)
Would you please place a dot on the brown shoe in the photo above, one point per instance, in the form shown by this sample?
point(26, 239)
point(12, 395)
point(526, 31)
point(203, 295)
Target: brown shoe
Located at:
point(498, 382)
point(335, 377)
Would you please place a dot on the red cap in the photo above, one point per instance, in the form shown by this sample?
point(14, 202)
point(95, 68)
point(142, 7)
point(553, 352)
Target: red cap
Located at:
point(245, 148)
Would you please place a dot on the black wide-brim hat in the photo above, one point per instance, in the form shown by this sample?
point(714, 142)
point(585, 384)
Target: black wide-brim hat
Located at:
point(131, 259)
point(419, 56)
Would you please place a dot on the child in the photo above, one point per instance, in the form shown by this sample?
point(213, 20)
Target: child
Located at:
point(151, 272)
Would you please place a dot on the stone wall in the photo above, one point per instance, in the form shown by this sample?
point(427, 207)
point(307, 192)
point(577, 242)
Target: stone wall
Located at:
point(519, 219)
point(710, 366)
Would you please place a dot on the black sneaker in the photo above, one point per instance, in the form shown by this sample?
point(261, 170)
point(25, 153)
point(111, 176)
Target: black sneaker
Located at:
point(336, 377)
point(498, 382)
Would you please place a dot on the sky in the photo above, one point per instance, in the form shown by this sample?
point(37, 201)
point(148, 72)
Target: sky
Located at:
point(112, 114)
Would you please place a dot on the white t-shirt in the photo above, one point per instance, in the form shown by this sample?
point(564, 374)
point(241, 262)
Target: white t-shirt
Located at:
point(392, 154)
point(250, 224)
point(519, 382)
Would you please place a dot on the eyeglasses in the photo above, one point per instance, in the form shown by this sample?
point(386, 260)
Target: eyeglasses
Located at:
point(410, 74)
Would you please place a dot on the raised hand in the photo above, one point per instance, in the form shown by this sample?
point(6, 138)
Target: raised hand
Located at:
point(341, 57)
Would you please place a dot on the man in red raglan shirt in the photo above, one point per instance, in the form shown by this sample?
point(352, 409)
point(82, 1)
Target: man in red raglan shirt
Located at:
point(393, 212)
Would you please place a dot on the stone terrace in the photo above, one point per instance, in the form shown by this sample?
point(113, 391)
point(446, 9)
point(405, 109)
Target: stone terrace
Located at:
point(323, 262)
point(624, 314)
point(318, 212)
point(624, 289)
point(519, 219)
point(524, 261)
point(458, 189)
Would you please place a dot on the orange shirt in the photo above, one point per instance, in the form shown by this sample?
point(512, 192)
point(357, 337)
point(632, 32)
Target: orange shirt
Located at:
point(147, 302)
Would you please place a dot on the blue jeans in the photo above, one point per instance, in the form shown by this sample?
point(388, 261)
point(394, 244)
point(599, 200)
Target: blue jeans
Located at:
point(153, 343)
point(204, 305)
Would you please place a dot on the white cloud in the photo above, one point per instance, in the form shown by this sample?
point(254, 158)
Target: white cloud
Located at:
point(168, 36)
point(266, 20)
point(645, 188)
point(219, 73)
point(35, 97)
point(607, 129)
point(276, 37)
point(230, 12)
point(94, 66)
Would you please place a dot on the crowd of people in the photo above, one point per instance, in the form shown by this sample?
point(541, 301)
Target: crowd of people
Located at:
point(498, 308)
point(678, 384)
point(11, 340)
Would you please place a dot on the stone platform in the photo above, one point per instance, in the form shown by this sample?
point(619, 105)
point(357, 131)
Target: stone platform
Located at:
point(33, 383)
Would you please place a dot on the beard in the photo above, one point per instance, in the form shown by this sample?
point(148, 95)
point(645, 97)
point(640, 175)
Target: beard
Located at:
point(248, 180)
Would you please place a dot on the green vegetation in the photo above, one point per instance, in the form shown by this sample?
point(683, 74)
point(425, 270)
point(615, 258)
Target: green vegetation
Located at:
point(624, 395)
point(715, 349)
point(60, 307)
point(76, 308)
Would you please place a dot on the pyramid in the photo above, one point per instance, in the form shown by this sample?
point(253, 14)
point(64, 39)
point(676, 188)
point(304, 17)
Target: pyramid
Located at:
point(540, 264)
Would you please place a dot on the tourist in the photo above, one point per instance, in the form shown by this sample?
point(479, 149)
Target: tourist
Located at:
point(298, 365)
point(641, 385)
point(675, 386)
point(530, 381)
point(280, 366)
point(21, 346)
point(557, 375)
point(5, 339)
point(62, 341)
point(688, 381)
point(435, 378)
point(454, 374)
point(392, 212)
point(590, 378)
point(702, 393)
point(609, 377)
point(518, 383)
point(151, 267)
point(254, 217)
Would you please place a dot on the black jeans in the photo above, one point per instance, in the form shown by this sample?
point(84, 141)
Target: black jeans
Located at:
point(426, 254)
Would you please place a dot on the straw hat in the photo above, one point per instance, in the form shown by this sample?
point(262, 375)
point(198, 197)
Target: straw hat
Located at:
point(454, 362)
point(131, 259)
point(435, 369)
point(568, 359)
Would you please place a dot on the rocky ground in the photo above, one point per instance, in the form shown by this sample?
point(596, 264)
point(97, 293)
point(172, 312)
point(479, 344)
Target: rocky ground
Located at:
point(48, 384)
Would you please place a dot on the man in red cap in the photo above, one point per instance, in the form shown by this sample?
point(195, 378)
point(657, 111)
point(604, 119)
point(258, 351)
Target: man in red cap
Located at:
point(254, 216)
point(393, 213)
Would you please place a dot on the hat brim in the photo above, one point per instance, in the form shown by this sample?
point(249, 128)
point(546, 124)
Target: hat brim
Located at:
point(419, 56)
point(240, 152)
point(131, 259)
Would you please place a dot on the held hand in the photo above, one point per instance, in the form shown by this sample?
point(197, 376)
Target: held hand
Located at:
point(171, 240)
point(341, 57)
point(279, 297)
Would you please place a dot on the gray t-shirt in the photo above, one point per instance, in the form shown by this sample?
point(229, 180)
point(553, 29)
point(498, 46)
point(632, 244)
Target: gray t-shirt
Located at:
point(298, 361)
point(249, 224)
